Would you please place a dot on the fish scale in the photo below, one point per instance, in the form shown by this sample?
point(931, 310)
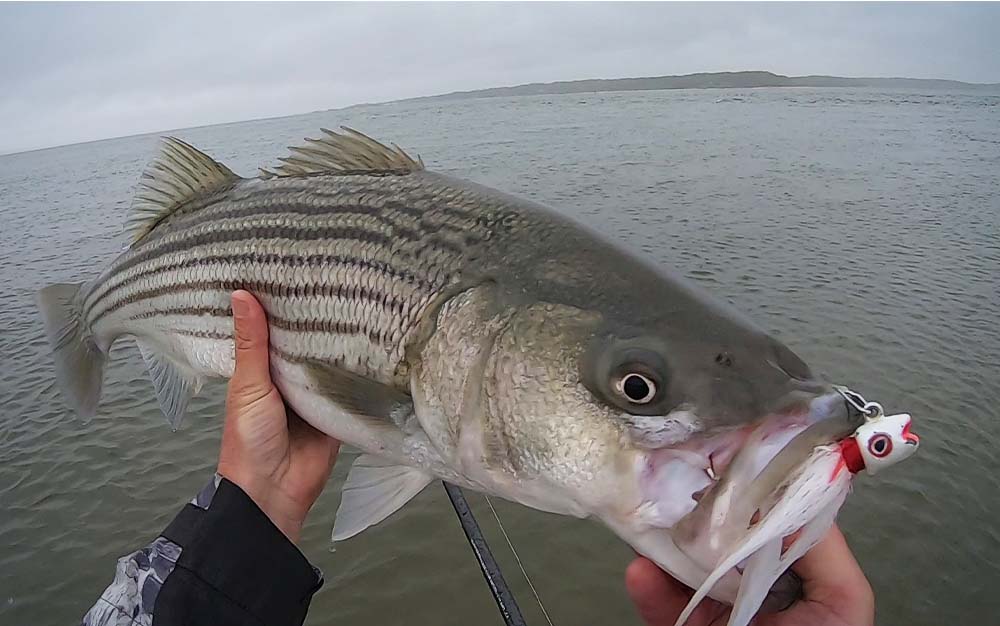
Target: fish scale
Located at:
point(217, 247)
point(361, 244)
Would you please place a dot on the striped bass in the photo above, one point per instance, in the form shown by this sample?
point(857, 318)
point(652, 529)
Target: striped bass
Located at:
point(452, 331)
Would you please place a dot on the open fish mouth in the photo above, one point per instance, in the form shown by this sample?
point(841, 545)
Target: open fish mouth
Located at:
point(709, 493)
point(675, 481)
point(766, 495)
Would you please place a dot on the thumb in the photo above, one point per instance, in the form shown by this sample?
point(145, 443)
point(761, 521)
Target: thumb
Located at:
point(658, 598)
point(252, 375)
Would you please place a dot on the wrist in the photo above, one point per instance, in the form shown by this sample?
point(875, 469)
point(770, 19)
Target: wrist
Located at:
point(277, 506)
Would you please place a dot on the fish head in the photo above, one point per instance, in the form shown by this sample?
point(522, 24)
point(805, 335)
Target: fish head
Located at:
point(707, 403)
point(686, 400)
point(705, 400)
point(653, 432)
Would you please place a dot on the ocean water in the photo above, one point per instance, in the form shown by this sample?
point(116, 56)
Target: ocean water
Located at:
point(861, 227)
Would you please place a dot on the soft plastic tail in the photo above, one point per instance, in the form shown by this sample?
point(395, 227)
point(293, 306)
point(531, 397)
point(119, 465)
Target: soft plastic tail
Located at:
point(79, 362)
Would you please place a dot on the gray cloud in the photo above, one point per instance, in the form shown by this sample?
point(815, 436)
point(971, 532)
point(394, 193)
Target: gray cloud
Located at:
point(78, 72)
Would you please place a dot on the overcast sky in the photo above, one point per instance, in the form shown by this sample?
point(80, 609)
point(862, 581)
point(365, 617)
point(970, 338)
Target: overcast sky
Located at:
point(72, 73)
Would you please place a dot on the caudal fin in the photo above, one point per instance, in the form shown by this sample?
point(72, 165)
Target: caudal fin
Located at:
point(79, 362)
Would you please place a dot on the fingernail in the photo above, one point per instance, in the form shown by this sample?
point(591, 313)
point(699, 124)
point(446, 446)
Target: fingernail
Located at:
point(240, 308)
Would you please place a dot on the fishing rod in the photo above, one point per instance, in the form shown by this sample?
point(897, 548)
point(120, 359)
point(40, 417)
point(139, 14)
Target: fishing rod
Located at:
point(509, 610)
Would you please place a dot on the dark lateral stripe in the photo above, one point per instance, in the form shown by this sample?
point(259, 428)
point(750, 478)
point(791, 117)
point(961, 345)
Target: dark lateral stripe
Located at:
point(420, 231)
point(212, 311)
point(296, 233)
point(282, 200)
point(311, 260)
point(317, 232)
point(240, 193)
point(203, 334)
point(337, 327)
point(262, 202)
point(281, 354)
point(279, 201)
point(273, 289)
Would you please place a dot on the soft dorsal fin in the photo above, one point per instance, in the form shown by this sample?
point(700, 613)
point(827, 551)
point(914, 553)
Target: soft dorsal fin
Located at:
point(177, 175)
point(349, 151)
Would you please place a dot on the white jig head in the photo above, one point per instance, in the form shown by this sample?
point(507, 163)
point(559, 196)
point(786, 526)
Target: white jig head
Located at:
point(884, 441)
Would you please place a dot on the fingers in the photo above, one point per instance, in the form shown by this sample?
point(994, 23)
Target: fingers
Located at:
point(252, 375)
point(658, 597)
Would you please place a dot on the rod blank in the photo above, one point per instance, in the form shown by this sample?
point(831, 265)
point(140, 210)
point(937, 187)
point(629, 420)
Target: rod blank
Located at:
point(491, 570)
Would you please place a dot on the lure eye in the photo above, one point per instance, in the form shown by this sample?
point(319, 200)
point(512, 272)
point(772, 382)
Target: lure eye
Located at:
point(880, 445)
point(636, 388)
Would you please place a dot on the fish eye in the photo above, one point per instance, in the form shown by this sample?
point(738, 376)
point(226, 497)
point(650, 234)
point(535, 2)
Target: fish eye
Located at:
point(637, 388)
point(631, 375)
point(880, 445)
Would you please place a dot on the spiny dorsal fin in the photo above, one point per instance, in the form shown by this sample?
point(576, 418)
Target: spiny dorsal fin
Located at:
point(177, 175)
point(349, 151)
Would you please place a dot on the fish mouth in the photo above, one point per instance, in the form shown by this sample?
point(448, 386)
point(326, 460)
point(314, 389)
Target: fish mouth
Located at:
point(708, 492)
point(674, 481)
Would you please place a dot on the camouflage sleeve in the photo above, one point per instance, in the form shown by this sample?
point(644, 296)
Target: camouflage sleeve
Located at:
point(220, 561)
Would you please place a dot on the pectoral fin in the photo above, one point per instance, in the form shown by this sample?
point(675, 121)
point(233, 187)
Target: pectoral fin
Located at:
point(359, 395)
point(374, 490)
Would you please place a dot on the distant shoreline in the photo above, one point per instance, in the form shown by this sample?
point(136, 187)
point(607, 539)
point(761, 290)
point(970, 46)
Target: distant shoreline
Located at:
point(703, 80)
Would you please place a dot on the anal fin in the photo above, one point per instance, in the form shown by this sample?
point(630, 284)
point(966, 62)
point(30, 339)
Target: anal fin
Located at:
point(374, 490)
point(174, 384)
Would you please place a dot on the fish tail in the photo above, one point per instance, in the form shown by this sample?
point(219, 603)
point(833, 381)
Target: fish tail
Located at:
point(79, 361)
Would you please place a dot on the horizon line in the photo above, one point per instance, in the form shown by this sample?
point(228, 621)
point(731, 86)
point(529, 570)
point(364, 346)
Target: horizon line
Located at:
point(503, 87)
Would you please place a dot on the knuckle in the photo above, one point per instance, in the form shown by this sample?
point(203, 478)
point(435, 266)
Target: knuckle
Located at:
point(246, 392)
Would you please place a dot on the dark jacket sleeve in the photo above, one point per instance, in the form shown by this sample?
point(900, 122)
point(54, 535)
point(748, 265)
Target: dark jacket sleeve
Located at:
point(220, 562)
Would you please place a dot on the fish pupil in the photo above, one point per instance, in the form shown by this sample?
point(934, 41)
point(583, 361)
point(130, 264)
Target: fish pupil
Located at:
point(636, 388)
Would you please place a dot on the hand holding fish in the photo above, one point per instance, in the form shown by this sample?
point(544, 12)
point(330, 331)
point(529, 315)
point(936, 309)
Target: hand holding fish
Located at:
point(279, 460)
point(836, 592)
